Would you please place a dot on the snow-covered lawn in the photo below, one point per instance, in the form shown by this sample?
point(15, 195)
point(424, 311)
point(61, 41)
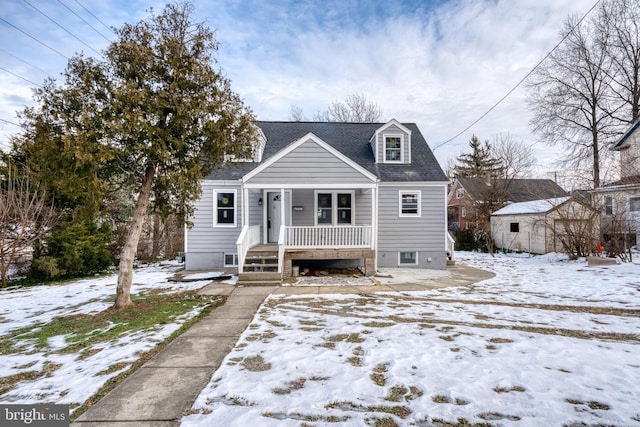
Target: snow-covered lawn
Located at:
point(73, 377)
point(547, 342)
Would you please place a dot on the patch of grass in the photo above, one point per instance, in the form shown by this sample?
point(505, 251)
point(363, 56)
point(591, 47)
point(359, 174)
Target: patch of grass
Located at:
point(439, 398)
point(447, 338)
point(460, 422)
point(350, 338)
point(113, 368)
point(383, 422)
point(496, 416)
point(377, 376)
point(83, 331)
point(455, 349)
point(276, 323)
point(9, 382)
point(598, 406)
point(500, 340)
point(355, 361)
point(290, 387)
point(378, 324)
point(396, 394)
point(490, 347)
point(399, 411)
point(517, 388)
point(255, 364)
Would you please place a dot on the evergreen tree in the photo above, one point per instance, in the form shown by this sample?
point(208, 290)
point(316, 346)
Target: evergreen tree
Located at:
point(479, 163)
point(151, 121)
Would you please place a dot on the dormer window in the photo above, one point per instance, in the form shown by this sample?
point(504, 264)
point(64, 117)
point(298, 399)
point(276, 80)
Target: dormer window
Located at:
point(393, 149)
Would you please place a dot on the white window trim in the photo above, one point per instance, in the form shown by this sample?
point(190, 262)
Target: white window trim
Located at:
point(459, 193)
point(235, 208)
point(463, 212)
point(604, 206)
point(407, 263)
point(235, 259)
point(384, 147)
point(403, 192)
point(632, 196)
point(334, 207)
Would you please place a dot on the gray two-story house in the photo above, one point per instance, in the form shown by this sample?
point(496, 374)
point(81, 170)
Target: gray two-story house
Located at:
point(362, 194)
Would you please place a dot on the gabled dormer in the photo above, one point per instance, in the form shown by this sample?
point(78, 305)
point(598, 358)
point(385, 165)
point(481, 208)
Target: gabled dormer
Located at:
point(257, 149)
point(391, 143)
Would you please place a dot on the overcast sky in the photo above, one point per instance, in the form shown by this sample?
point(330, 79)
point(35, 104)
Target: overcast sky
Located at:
point(441, 64)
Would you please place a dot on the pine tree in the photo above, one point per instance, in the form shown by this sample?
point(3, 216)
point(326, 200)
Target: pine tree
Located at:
point(480, 163)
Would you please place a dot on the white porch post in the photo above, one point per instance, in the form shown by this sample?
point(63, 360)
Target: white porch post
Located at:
point(283, 205)
point(374, 223)
point(245, 206)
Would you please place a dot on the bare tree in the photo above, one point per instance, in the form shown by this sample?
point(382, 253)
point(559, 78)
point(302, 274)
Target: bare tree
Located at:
point(569, 95)
point(296, 113)
point(355, 108)
point(618, 29)
point(516, 157)
point(25, 217)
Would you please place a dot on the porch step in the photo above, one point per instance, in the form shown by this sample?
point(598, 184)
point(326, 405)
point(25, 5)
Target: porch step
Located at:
point(260, 278)
point(260, 267)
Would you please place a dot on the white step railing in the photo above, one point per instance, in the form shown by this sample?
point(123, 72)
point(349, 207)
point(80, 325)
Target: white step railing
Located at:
point(359, 236)
point(249, 237)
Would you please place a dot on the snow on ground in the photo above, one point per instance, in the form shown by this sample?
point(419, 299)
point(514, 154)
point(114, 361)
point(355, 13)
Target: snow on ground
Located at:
point(77, 378)
point(546, 342)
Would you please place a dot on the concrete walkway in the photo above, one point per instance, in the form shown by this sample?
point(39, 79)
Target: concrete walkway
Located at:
point(164, 388)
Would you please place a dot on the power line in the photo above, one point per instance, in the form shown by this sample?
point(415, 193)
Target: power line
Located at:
point(96, 18)
point(83, 20)
point(10, 122)
point(521, 80)
point(19, 76)
point(34, 38)
point(25, 62)
point(61, 26)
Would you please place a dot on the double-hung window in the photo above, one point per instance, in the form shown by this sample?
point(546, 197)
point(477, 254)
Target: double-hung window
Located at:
point(224, 208)
point(607, 206)
point(393, 149)
point(410, 203)
point(634, 204)
point(334, 208)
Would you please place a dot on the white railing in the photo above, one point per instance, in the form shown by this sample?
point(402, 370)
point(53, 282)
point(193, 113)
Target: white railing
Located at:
point(249, 237)
point(450, 245)
point(359, 236)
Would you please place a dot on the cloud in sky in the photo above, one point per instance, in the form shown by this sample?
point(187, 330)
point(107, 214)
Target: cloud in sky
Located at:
point(441, 64)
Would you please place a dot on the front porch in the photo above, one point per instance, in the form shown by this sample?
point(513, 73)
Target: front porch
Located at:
point(266, 263)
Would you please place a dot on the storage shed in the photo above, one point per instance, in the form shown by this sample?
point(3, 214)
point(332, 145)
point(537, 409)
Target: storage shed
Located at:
point(542, 226)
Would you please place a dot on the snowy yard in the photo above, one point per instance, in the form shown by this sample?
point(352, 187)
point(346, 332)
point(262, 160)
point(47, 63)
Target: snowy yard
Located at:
point(56, 373)
point(547, 342)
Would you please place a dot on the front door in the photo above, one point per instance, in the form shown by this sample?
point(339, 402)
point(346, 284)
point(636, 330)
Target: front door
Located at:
point(274, 216)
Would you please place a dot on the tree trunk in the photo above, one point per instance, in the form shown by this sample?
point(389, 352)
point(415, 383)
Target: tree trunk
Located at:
point(125, 268)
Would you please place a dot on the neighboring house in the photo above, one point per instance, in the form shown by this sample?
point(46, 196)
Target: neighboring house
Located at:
point(619, 201)
point(466, 194)
point(541, 226)
point(329, 194)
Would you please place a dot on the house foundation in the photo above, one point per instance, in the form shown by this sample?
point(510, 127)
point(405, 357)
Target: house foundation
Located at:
point(367, 255)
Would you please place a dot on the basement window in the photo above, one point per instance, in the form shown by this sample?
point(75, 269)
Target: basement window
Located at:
point(515, 227)
point(408, 258)
point(230, 260)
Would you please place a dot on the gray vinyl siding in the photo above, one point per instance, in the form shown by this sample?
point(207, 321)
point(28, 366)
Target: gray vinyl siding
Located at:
point(206, 244)
point(393, 129)
point(424, 235)
point(309, 163)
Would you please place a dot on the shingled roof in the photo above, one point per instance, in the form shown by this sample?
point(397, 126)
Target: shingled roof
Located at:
point(350, 139)
point(518, 190)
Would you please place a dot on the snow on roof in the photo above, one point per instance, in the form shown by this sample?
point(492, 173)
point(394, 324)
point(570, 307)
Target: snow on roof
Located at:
point(534, 206)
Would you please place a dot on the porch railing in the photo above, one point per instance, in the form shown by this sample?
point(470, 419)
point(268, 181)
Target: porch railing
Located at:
point(450, 245)
point(359, 236)
point(249, 237)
